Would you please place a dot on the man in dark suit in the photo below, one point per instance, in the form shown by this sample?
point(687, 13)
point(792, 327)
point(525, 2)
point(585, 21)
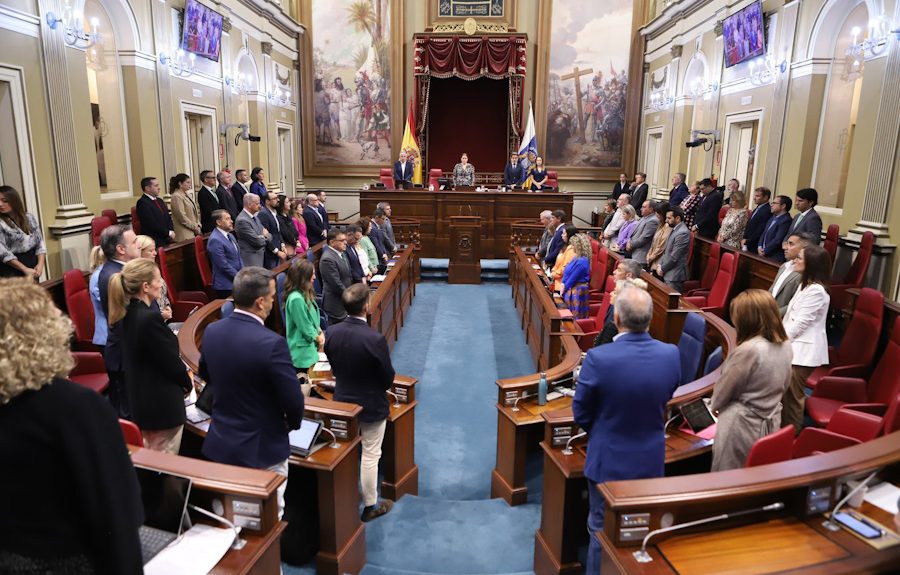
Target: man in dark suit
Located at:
point(758, 221)
point(787, 280)
point(513, 173)
point(403, 172)
point(268, 217)
point(323, 211)
point(376, 236)
point(252, 237)
point(380, 222)
point(620, 401)
point(241, 186)
point(256, 398)
point(557, 223)
point(706, 222)
point(316, 229)
point(776, 230)
point(120, 246)
point(639, 244)
point(156, 221)
point(361, 363)
point(224, 254)
point(673, 267)
point(334, 271)
point(639, 195)
point(679, 191)
point(357, 273)
point(807, 219)
point(223, 192)
point(544, 244)
point(621, 187)
point(208, 200)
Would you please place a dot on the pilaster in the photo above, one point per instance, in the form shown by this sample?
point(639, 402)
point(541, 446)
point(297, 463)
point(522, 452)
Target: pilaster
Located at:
point(163, 43)
point(778, 116)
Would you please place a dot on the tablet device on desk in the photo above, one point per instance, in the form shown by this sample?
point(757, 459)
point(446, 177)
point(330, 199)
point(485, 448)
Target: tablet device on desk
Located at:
point(165, 498)
point(302, 440)
point(697, 415)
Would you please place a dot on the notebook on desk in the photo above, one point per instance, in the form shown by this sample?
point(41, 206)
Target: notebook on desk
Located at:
point(165, 498)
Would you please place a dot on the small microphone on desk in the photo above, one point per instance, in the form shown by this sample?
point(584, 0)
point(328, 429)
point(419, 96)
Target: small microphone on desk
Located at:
point(334, 442)
point(395, 396)
point(238, 543)
point(830, 523)
point(567, 450)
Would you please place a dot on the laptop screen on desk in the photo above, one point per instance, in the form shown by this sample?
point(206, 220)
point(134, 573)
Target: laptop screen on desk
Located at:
point(165, 497)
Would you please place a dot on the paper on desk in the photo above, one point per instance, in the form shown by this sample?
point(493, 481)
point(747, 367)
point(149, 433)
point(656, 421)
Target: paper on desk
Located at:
point(197, 552)
point(884, 495)
point(321, 366)
point(377, 278)
point(322, 356)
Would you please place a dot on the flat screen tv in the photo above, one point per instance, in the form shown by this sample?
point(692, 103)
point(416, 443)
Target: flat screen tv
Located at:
point(202, 31)
point(744, 34)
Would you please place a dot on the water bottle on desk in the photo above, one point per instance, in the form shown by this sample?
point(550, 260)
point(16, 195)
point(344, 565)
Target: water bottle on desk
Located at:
point(542, 389)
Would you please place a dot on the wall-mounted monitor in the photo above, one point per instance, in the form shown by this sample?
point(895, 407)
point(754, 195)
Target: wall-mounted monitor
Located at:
point(744, 34)
point(202, 31)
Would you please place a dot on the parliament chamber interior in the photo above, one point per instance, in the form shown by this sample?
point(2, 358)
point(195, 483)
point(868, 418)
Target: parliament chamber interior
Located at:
point(449, 287)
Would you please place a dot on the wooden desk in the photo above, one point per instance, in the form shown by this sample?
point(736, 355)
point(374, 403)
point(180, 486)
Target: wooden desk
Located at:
point(498, 211)
point(229, 485)
point(392, 298)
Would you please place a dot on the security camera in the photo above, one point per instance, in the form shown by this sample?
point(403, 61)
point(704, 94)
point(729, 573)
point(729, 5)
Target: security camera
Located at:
point(244, 133)
point(696, 142)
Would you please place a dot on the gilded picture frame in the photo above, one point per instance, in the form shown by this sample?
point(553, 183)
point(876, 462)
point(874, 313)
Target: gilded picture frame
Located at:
point(433, 13)
point(350, 137)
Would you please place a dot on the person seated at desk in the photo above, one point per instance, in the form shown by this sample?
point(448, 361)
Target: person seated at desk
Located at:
point(754, 377)
point(538, 175)
point(620, 402)
point(513, 173)
point(463, 173)
point(73, 503)
point(403, 171)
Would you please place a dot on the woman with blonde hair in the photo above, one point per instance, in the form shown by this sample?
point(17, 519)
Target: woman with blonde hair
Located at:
point(302, 327)
point(101, 328)
point(735, 222)
point(631, 220)
point(576, 276)
point(155, 377)
point(73, 503)
point(147, 246)
point(753, 379)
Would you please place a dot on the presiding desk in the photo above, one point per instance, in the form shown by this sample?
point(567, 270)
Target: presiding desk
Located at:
point(498, 211)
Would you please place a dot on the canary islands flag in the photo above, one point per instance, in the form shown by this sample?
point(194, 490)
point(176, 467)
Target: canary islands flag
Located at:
point(411, 146)
point(528, 146)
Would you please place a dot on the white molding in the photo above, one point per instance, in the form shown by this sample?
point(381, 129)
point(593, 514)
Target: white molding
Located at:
point(272, 12)
point(671, 14)
point(116, 195)
point(810, 67)
point(201, 110)
point(829, 210)
point(21, 22)
point(739, 117)
point(15, 76)
point(201, 79)
point(137, 59)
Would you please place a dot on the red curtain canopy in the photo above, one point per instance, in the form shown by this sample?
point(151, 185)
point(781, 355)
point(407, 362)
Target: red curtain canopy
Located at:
point(470, 58)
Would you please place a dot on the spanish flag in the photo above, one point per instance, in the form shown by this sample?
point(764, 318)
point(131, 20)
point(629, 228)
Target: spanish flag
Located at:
point(411, 146)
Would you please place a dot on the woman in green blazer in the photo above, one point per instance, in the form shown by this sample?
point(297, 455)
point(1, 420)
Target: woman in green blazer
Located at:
point(304, 334)
point(365, 224)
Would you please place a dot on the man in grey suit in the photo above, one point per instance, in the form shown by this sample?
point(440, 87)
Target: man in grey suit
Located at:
point(807, 219)
point(252, 237)
point(334, 272)
point(386, 227)
point(544, 244)
point(673, 266)
point(787, 280)
point(642, 236)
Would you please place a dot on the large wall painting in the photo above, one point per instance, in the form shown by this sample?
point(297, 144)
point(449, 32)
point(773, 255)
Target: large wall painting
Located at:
point(352, 86)
point(587, 108)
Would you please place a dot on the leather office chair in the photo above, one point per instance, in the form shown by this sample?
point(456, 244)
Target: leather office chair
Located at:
point(552, 179)
point(111, 215)
point(846, 428)
point(719, 296)
point(713, 361)
point(702, 287)
point(690, 346)
point(772, 448)
point(184, 302)
point(593, 325)
point(594, 306)
point(890, 413)
point(131, 432)
point(89, 370)
point(883, 386)
point(599, 275)
point(690, 258)
point(723, 211)
point(135, 221)
point(98, 224)
point(433, 175)
point(831, 241)
point(203, 266)
point(855, 275)
point(386, 177)
point(81, 309)
point(854, 356)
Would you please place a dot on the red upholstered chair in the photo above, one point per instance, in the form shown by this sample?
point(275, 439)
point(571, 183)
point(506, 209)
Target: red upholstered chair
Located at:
point(854, 357)
point(183, 302)
point(855, 275)
point(883, 386)
point(111, 215)
point(846, 428)
point(98, 224)
point(81, 309)
point(719, 296)
point(433, 175)
point(831, 241)
point(203, 266)
point(135, 221)
point(594, 324)
point(131, 432)
point(386, 177)
point(594, 306)
point(552, 179)
point(691, 251)
point(772, 448)
point(90, 370)
point(702, 287)
point(723, 211)
point(889, 414)
point(595, 251)
point(599, 274)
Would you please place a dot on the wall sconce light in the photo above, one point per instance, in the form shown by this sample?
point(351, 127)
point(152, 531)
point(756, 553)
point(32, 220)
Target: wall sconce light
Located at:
point(764, 70)
point(659, 100)
point(279, 96)
point(73, 27)
point(179, 66)
point(875, 42)
point(699, 88)
point(239, 85)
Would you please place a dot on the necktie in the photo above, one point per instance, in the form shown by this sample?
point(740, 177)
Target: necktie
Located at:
point(797, 220)
point(213, 194)
point(233, 243)
point(160, 205)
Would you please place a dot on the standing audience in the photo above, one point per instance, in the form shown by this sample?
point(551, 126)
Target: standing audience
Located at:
point(566, 255)
point(101, 327)
point(576, 277)
point(224, 254)
point(22, 249)
point(630, 222)
point(153, 214)
point(641, 239)
point(304, 335)
point(185, 214)
point(208, 200)
point(787, 280)
point(299, 224)
point(148, 252)
point(544, 244)
point(679, 189)
point(223, 192)
point(759, 219)
point(252, 237)
point(316, 225)
point(672, 267)
point(732, 230)
point(706, 222)
point(274, 252)
point(611, 231)
point(365, 225)
point(557, 223)
point(286, 225)
point(690, 204)
point(807, 219)
point(386, 224)
point(258, 183)
point(658, 245)
point(770, 245)
point(334, 272)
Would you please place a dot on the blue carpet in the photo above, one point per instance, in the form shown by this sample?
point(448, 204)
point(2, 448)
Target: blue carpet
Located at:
point(457, 340)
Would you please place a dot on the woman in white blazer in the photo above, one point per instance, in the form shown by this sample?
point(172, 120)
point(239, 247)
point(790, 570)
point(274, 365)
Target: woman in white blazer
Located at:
point(804, 323)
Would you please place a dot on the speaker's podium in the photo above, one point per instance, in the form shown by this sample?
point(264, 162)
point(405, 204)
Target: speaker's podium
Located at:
point(465, 250)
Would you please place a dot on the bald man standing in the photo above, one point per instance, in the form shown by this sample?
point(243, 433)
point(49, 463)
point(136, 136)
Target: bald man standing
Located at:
point(316, 228)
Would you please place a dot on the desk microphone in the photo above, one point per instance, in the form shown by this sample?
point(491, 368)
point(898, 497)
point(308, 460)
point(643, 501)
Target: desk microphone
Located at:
point(395, 396)
point(567, 450)
point(238, 543)
point(334, 442)
point(832, 525)
point(641, 556)
point(669, 422)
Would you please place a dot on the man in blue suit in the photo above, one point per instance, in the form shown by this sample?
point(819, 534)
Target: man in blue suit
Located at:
point(706, 220)
point(256, 397)
point(224, 254)
point(557, 223)
point(759, 220)
point(679, 189)
point(620, 402)
point(403, 172)
point(776, 230)
point(513, 173)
